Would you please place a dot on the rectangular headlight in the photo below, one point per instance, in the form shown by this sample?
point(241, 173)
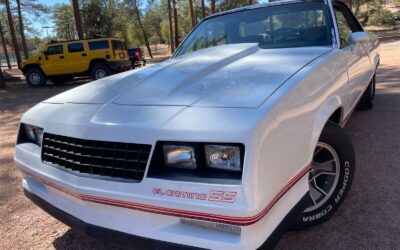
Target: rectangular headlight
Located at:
point(30, 134)
point(179, 156)
point(223, 157)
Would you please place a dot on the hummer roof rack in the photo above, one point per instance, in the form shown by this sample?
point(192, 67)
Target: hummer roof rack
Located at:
point(88, 38)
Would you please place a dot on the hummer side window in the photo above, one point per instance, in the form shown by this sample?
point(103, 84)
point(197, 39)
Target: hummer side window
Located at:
point(118, 45)
point(55, 50)
point(75, 47)
point(95, 45)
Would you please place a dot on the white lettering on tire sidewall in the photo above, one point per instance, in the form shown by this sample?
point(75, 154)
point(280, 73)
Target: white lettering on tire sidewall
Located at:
point(337, 198)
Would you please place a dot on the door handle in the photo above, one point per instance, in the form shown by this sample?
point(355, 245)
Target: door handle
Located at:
point(61, 57)
point(84, 54)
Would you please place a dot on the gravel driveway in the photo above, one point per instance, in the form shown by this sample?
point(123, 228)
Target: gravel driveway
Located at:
point(368, 219)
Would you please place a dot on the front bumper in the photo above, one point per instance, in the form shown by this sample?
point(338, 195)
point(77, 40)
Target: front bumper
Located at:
point(101, 233)
point(137, 224)
point(125, 239)
point(138, 62)
point(118, 66)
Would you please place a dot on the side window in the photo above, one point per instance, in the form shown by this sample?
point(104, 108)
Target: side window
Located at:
point(102, 44)
point(344, 27)
point(118, 45)
point(55, 50)
point(75, 47)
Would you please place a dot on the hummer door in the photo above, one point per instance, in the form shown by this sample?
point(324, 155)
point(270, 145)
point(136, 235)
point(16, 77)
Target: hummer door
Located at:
point(54, 61)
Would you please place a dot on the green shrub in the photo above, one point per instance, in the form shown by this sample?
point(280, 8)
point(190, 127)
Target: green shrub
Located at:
point(381, 17)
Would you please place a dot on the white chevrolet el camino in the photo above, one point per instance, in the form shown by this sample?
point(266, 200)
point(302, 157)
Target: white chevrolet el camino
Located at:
point(234, 140)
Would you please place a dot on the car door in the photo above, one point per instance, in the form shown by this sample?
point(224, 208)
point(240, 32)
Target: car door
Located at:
point(77, 58)
point(356, 55)
point(54, 62)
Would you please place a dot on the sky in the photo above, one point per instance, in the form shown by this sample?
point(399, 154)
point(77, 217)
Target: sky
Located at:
point(38, 25)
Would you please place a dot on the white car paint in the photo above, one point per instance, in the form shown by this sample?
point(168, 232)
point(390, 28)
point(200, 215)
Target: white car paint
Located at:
point(274, 101)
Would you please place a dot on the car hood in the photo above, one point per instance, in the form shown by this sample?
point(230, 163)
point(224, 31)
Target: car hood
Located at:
point(227, 76)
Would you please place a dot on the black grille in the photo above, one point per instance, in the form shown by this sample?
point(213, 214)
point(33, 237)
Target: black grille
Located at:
point(96, 158)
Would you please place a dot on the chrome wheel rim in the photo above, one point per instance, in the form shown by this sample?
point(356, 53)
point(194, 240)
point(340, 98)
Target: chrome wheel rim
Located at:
point(100, 74)
point(324, 175)
point(34, 78)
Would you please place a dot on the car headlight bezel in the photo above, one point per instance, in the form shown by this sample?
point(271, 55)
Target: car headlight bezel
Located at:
point(203, 172)
point(30, 134)
point(179, 156)
point(223, 157)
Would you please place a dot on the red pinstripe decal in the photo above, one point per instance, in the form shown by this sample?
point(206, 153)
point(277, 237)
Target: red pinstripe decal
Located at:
point(240, 221)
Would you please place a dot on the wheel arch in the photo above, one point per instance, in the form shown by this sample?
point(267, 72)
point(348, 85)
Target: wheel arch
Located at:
point(336, 117)
point(331, 111)
point(96, 61)
point(32, 66)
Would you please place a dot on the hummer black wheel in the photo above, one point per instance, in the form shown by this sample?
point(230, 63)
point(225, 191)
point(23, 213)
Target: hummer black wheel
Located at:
point(35, 78)
point(100, 71)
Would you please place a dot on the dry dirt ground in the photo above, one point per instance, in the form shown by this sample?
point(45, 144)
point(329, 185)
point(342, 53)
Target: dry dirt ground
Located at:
point(368, 219)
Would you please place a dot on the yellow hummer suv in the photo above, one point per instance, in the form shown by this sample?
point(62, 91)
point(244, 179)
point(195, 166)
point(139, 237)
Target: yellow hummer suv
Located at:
point(62, 61)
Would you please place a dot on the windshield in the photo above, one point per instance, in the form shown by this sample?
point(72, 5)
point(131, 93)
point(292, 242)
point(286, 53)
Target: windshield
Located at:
point(283, 26)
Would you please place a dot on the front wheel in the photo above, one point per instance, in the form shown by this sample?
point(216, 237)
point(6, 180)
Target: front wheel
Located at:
point(330, 178)
point(35, 78)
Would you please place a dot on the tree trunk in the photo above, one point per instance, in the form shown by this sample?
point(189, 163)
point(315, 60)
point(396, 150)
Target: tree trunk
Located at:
point(171, 35)
point(212, 6)
point(176, 24)
point(146, 40)
point(3, 41)
point(2, 82)
point(250, 2)
point(78, 19)
point(203, 8)
point(12, 31)
point(350, 4)
point(21, 29)
point(192, 13)
point(357, 10)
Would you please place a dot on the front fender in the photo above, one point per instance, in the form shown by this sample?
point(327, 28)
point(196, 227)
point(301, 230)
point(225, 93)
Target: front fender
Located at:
point(324, 113)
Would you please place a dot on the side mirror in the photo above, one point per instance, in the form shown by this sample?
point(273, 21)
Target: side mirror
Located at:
point(358, 37)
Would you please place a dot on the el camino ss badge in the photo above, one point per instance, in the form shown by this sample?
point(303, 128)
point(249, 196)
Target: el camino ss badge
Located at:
point(213, 195)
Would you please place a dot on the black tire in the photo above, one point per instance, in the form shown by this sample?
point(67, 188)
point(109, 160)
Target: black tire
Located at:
point(35, 78)
point(368, 99)
point(100, 71)
point(335, 186)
